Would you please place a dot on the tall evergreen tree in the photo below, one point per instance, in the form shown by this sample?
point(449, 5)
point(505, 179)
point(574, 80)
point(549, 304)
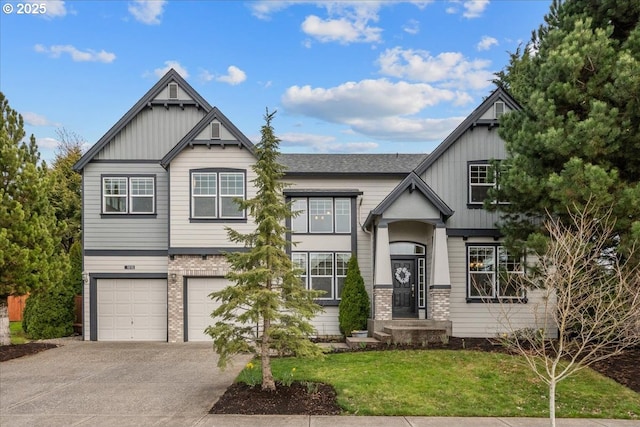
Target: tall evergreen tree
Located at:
point(30, 257)
point(65, 196)
point(268, 294)
point(577, 137)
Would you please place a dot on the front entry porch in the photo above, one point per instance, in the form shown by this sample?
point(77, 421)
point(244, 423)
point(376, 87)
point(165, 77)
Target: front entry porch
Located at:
point(403, 332)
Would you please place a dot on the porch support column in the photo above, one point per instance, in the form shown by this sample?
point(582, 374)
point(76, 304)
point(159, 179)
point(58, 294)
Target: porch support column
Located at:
point(382, 284)
point(440, 280)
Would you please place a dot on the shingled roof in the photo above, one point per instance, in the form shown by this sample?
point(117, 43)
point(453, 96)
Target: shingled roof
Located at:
point(323, 164)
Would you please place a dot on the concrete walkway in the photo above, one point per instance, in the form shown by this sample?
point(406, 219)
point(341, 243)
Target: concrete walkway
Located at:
point(159, 384)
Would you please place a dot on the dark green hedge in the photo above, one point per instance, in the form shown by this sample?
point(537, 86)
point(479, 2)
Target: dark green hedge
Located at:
point(49, 314)
point(354, 306)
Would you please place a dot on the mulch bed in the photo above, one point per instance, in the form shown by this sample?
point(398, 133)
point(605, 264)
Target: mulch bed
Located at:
point(320, 399)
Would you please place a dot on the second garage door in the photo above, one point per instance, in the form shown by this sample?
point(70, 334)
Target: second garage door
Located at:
point(132, 309)
point(200, 306)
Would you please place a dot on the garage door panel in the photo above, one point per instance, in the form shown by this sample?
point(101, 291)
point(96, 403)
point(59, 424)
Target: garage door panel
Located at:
point(132, 309)
point(200, 305)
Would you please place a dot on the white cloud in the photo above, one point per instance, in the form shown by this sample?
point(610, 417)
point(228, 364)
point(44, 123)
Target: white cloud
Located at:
point(412, 27)
point(449, 69)
point(35, 119)
point(486, 42)
point(159, 72)
point(324, 143)
point(55, 8)
point(340, 30)
point(147, 11)
point(206, 76)
point(234, 76)
point(474, 8)
point(367, 98)
point(408, 129)
point(89, 55)
point(47, 142)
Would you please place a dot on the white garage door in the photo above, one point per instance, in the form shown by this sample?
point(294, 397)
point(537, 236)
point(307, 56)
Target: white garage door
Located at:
point(132, 309)
point(200, 306)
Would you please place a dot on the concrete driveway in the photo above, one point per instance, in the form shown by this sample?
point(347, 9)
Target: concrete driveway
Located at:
point(106, 384)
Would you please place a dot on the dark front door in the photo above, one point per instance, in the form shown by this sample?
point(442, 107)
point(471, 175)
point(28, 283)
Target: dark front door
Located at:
point(404, 287)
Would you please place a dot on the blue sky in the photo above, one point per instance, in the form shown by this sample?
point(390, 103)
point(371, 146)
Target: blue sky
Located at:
point(349, 77)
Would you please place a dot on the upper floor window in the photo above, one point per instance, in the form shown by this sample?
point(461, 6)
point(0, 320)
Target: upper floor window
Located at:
point(128, 195)
point(493, 273)
point(498, 109)
point(482, 177)
point(214, 194)
point(321, 215)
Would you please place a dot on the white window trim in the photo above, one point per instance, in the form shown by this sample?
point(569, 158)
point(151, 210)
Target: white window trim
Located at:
point(496, 113)
point(127, 196)
point(309, 220)
point(308, 277)
point(218, 196)
point(151, 196)
point(495, 272)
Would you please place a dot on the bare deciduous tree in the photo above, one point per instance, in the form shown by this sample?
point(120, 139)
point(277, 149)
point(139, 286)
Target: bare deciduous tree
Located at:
point(591, 300)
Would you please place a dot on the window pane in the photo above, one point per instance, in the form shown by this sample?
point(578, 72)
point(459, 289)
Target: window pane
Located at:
point(479, 193)
point(142, 186)
point(510, 272)
point(321, 215)
point(481, 284)
point(232, 184)
point(204, 207)
point(115, 204)
point(142, 204)
point(479, 174)
point(230, 208)
point(342, 263)
point(322, 284)
point(299, 223)
point(142, 195)
point(321, 272)
point(299, 261)
point(115, 195)
point(343, 215)
point(481, 271)
point(204, 184)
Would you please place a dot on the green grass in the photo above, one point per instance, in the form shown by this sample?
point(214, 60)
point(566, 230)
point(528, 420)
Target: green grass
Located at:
point(456, 383)
point(17, 334)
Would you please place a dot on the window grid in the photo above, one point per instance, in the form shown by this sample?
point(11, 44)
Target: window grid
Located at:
point(214, 193)
point(481, 179)
point(128, 195)
point(343, 215)
point(321, 215)
point(142, 195)
point(324, 271)
point(299, 222)
point(421, 283)
point(342, 264)
point(493, 273)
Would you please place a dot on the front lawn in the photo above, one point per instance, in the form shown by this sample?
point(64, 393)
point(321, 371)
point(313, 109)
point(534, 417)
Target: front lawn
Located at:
point(455, 383)
point(17, 334)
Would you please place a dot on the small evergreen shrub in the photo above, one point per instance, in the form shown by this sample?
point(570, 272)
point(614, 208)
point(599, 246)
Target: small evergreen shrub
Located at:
point(354, 306)
point(49, 314)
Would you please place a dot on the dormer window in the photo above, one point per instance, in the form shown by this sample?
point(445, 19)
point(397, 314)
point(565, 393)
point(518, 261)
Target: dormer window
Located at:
point(498, 109)
point(215, 130)
point(173, 91)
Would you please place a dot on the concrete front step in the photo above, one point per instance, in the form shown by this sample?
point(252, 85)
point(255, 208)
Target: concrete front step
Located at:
point(414, 334)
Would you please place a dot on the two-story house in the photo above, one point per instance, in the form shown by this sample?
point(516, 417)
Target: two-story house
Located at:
point(159, 189)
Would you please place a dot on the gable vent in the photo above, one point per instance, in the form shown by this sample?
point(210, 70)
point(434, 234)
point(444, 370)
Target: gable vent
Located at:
point(173, 91)
point(215, 130)
point(498, 109)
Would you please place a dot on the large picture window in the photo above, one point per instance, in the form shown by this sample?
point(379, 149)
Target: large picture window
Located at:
point(493, 273)
point(214, 194)
point(128, 195)
point(322, 215)
point(324, 271)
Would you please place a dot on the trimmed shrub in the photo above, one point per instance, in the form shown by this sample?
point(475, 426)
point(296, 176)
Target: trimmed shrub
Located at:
point(49, 314)
point(354, 306)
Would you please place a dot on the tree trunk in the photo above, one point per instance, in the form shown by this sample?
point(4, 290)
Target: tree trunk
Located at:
point(267, 376)
point(5, 333)
point(552, 403)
